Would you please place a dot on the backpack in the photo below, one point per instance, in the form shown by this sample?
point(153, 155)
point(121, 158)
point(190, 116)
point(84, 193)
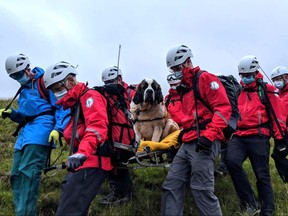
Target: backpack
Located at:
point(233, 89)
point(116, 107)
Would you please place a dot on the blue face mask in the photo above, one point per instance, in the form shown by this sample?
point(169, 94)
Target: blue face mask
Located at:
point(279, 84)
point(24, 79)
point(248, 80)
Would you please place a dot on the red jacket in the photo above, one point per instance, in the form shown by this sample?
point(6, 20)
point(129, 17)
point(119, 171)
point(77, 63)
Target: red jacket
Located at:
point(93, 130)
point(284, 97)
point(213, 92)
point(253, 115)
point(173, 105)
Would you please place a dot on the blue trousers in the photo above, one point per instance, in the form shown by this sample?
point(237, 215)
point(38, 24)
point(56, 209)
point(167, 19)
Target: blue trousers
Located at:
point(26, 172)
point(257, 149)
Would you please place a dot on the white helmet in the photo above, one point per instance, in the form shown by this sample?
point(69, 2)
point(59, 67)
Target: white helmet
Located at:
point(248, 64)
point(279, 71)
point(16, 63)
point(58, 72)
point(111, 73)
point(178, 55)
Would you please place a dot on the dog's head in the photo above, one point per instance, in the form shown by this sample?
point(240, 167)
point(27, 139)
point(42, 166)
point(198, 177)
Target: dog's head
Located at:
point(148, 91)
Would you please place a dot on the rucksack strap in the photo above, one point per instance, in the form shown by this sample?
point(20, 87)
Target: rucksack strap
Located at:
point(263, 94)
point(42, 89)
point(29, 119)
point(15, 96)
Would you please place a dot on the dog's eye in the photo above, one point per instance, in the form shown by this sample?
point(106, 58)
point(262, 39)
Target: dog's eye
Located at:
point(145, 85)
point(154, 85)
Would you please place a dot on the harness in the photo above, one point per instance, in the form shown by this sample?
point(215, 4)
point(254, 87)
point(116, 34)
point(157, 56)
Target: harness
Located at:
point(147, 120)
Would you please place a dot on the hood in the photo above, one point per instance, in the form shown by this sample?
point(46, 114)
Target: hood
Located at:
point(73, 95)
point(38, 72)
point(188, 73)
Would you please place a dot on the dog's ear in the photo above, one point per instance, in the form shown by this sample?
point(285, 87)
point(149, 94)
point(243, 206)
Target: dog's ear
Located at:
point(138, 97)
point(158, 93)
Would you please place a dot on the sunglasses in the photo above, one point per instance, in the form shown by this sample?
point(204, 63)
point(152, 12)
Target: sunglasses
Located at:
point(175, 76)
point(17, 75)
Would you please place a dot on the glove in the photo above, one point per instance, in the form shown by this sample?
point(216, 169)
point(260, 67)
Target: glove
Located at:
point(281, 148)
point(75, 160)
point(5, 113)
point(54, 137)
point(203, 144)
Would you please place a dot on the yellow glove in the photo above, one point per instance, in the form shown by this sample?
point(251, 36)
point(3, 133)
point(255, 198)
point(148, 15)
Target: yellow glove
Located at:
point(5, 113)
point(166, 143)
point(54, 137)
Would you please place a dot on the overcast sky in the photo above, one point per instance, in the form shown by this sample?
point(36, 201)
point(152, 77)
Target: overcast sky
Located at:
point(87, 33)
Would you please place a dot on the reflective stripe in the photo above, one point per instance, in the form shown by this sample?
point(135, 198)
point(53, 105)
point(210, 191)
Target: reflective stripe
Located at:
point(95, 132)
point(222, 117)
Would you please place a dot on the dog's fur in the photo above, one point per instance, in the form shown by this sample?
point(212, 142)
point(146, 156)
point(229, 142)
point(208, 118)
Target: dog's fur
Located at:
point(152, 121)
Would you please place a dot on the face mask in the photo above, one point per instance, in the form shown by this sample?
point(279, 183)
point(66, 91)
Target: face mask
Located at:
point(60, 94)
point(279, 84)
point(174, 86)
point(24, 79)
point(248, 80)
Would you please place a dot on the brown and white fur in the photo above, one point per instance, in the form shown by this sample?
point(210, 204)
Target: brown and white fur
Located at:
point(152, 121)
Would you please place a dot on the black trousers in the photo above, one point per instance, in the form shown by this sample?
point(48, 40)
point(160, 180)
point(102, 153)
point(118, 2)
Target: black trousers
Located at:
point(257, 149)
point(78, 191)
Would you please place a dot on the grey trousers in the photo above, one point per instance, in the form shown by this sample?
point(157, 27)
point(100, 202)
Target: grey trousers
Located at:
point(198, 170)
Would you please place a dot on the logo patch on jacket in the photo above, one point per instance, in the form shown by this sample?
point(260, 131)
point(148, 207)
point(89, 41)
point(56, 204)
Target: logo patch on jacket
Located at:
point(89, 102)
point(214, 85)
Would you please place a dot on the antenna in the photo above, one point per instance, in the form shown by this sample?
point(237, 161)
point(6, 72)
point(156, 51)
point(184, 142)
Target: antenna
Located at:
point(266, 75)
point(119, 50)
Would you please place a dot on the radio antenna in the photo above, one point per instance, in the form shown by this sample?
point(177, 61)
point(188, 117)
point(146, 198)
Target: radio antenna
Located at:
point(119, 50)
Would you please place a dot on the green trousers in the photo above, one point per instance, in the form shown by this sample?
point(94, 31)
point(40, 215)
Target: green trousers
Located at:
point(26, 171)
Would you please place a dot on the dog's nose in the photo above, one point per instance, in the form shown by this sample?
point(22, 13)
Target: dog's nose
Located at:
point(149, 91)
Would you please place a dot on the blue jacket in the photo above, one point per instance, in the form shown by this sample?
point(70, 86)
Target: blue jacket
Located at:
point(30, 103)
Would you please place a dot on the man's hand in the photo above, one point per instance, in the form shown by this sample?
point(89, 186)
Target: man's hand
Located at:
point(203, 144)
point(5, 113)
point(281, 148)
point(54, 137)
point(75, 160)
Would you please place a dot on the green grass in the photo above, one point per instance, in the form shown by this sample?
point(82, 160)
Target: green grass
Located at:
point(146, 187)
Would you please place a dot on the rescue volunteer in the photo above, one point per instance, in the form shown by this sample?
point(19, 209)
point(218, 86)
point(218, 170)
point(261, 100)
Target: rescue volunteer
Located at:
point(251, 139)
point(119, 179)
point(279, 77)
point(173, 99)
point(41, 122)
point(89, 171)
point(194, 161)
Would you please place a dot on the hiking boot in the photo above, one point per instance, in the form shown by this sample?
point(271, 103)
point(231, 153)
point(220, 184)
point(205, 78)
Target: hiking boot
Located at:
point(251, 211)
point(112, 199)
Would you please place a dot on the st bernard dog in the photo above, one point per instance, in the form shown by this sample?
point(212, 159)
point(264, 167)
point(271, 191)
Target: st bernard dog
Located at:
point(152, 121)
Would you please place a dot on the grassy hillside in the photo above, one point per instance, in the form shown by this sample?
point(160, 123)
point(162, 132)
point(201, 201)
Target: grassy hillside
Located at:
point(146, 182)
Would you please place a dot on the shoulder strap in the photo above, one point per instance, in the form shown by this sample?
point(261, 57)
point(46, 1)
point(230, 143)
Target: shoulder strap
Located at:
point(197, 94)
point(42, 89)
point(262, 91)
point(15, 96)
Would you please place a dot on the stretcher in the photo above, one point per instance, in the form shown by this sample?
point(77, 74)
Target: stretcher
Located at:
point(156, 154)
point(147, 154)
